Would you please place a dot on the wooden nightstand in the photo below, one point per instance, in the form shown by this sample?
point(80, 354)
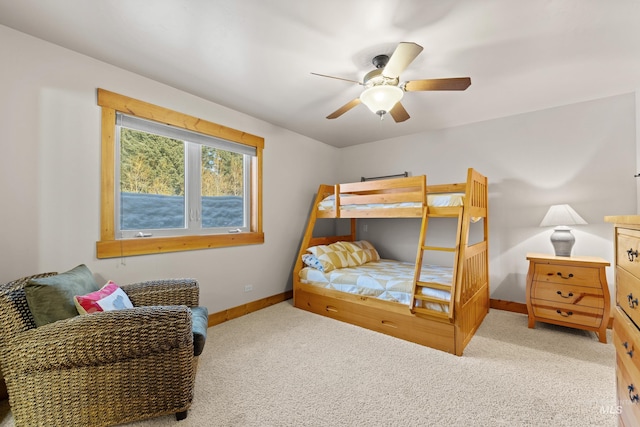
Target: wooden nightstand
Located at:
point(569, 291)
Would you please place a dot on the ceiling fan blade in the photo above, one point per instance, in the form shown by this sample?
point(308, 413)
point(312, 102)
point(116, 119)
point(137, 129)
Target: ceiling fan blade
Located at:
point(346, 107)
point(398, 113)
point(455, 83)
point(337, 78)
point(404, 55)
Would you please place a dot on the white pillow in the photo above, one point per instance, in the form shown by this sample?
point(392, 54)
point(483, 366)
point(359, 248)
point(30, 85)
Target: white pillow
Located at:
point(109, 297)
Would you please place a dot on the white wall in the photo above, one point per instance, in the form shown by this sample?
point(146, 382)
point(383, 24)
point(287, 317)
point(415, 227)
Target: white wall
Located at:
point(50, 177)
point(582, 154)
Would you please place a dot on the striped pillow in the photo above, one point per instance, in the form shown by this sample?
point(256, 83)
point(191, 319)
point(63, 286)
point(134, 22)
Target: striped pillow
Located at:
point(333, 256)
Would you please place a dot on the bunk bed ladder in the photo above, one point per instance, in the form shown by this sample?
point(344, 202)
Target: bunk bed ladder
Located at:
point(420, 302)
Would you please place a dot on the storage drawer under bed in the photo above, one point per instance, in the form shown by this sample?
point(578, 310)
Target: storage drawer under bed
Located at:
point(424, 331)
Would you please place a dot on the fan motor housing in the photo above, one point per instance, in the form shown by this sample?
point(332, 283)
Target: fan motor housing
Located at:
point(375, 78)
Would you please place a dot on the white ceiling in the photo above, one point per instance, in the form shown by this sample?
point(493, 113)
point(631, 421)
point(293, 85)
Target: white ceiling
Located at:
point(256, 56)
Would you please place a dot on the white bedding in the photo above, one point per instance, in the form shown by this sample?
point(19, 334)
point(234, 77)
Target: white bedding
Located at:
point(435, 200)
point(384, 279)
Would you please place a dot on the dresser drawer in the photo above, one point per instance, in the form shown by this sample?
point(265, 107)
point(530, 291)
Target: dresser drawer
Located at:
point(567, 313)
point(626, 340)
point(567, 275)
point(582, 296)
point(628, 294)
point(628, 394)
point(628, 244)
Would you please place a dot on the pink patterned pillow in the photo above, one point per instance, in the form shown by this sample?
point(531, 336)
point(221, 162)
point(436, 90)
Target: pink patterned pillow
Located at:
point(109, 297)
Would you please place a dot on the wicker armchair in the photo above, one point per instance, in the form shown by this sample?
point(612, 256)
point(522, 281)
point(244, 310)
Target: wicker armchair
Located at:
point(105, 368)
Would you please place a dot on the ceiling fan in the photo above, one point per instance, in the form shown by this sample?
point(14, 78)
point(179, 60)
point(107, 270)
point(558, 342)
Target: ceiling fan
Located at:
point(383, 90)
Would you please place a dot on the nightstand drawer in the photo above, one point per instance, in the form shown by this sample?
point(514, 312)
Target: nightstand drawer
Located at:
point(628, 294)
point(582, 296)
point(627, 249)
point(566, 313)
point(567, 275)
point(626, 340)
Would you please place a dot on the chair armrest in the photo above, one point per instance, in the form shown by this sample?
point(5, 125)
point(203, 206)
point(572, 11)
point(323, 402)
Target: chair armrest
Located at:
point(99, 339)
point(164, 292)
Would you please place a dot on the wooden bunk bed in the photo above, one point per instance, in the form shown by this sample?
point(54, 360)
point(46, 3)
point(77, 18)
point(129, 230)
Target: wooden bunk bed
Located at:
point(426, 317)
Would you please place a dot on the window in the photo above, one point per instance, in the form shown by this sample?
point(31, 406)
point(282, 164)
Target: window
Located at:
point(176, 182)
point(172, 182)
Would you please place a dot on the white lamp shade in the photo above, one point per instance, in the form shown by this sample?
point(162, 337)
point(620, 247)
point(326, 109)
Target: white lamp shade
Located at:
point(381, 98)
point(561, 215)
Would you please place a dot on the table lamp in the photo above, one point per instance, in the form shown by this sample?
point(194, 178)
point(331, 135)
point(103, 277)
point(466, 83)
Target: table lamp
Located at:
point(562, 216)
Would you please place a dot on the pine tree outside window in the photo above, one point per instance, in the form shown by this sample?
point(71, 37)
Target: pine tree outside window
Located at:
point(172, 182)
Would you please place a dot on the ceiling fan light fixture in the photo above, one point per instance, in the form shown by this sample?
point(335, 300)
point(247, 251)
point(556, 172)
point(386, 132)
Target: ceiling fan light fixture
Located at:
point(381, 99)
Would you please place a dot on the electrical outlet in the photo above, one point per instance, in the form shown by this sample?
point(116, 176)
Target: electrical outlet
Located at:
point(248, 288)
point(365, 227)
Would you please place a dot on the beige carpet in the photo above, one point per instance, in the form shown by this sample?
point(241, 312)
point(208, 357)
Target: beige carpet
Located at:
point(285, 367)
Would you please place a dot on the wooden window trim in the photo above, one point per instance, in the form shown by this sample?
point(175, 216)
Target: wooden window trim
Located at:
point(109, 246)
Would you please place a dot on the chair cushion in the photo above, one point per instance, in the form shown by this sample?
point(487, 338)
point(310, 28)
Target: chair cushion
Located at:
point(109, 297)
point(199, 325)
point(51, 298)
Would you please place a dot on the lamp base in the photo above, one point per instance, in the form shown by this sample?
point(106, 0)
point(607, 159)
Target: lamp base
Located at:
point(562, 240)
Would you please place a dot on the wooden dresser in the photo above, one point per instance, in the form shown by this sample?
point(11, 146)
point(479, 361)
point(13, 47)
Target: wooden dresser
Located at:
point(569, 291)
point(626, 317)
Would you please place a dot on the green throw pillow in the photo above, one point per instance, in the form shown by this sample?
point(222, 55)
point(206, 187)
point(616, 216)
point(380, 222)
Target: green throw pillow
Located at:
point(51, 298)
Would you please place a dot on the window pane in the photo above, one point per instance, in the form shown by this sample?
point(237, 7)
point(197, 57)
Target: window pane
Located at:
point(222, 188)
point(151, 181)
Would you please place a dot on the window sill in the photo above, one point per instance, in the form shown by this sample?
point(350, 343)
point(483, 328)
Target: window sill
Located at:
point(156, 245)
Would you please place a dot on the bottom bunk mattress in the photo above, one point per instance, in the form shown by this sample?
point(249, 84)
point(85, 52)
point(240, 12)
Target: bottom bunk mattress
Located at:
point(384, 279)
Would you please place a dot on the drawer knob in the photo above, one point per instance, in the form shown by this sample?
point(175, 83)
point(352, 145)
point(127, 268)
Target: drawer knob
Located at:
point(567, 314)
point(569, 295)
point(633, 302)
point(565, 277)
point(633, 397)
point(632, 254)
point(626, 345)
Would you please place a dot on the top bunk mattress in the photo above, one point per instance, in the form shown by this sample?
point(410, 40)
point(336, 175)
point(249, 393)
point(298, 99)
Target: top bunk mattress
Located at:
point(434, 200)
